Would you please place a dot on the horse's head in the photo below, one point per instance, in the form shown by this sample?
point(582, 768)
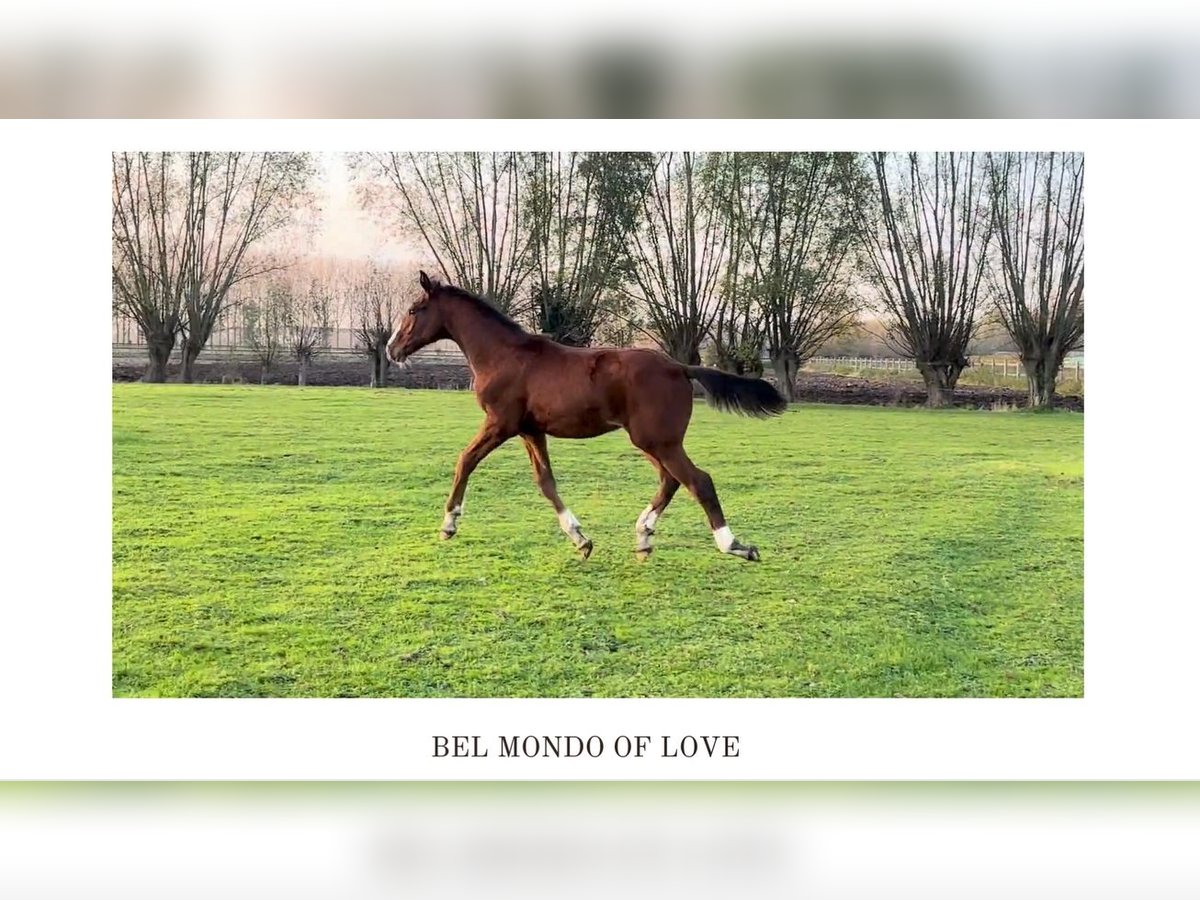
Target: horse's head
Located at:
point(423, 324)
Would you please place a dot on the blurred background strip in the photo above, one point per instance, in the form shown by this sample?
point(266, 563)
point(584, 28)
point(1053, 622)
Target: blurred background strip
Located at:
point(518, 59)
point(761, 840)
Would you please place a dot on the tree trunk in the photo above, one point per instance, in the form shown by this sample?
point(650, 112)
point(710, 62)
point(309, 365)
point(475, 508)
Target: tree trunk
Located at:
point(1048, 391)
point(1042, 373)
point(786, 366)
point(302, 377)
point(381, 363)
point(379, 367)
point(940, 379)
point(684, 351)
point(159, 351)
point(262, 376)
point(186, 369)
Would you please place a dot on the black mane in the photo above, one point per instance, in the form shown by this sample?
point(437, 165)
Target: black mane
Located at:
point(484, 306)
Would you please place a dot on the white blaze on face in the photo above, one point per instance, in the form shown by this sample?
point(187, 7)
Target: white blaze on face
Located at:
point(392, 340)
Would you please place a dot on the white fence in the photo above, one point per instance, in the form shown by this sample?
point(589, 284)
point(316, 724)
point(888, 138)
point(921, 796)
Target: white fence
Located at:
point(999, 365)
point(426, 357)
point(229, 337)
point(228, 341)
point(863, 362)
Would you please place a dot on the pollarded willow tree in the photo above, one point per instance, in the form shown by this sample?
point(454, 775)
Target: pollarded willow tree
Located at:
point(678, 254)
point(264, 322)
point(375, 300)
point(234, 202)
point(795, 214)
point(148, 252)
point(924, 233)
point(580, 209)
point(737, 334)
point(466, 208)
point(290, 314)
point(185, 228)
point(1037, 260)
point(311, 316)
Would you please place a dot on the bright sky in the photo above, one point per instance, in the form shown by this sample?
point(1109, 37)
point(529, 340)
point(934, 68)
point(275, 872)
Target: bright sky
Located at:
point(346, 231)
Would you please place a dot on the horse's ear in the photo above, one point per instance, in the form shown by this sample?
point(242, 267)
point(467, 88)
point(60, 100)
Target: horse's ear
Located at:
point(426, 282)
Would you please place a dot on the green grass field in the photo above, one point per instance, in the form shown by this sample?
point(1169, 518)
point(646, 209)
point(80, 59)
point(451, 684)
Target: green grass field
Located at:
point(283, 542)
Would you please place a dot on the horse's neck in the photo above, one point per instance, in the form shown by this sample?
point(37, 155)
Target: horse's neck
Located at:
point(480, 340)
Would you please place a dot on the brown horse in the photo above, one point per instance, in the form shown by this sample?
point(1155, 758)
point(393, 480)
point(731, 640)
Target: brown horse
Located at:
point(531, 386)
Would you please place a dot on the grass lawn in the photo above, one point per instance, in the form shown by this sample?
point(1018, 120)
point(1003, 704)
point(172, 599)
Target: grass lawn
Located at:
point(275, 541)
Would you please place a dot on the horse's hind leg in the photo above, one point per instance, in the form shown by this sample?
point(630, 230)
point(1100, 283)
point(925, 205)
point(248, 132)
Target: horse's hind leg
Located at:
point(539, 457)
point(668, 484)
point(701, 486)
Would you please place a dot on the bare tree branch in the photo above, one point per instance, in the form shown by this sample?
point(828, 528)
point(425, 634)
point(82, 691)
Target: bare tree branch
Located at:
point(1036, 268)
point(924, 239)
point(466, 208)
point(678, 255)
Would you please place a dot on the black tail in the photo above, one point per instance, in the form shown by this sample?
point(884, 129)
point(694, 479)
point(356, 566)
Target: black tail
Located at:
point(735, 393)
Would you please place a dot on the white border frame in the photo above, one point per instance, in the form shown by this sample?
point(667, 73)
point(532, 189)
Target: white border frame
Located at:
point(60, 720)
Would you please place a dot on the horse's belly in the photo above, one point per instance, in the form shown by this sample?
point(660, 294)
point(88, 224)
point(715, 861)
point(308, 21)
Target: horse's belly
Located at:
point(562, 421)
point(580, 430)
point(567, 408)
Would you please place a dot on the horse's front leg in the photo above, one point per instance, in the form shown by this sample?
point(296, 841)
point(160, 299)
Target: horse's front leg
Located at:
point(491, 436)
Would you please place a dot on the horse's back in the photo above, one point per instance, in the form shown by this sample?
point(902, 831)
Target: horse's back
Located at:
point(578, 392)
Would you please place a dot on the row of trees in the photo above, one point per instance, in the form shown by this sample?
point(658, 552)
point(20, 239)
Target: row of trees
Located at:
point(947, 236)
point(746, 251)
point(294, 313)
point(187, 229)
point(740, 254)
point(759, 254)
point(287, 317)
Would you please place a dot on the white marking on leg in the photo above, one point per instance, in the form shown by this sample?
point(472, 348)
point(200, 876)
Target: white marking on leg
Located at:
point(724, 538)
point(570, 524)
point(727, 543)
point(450, 523)
point(645, 528)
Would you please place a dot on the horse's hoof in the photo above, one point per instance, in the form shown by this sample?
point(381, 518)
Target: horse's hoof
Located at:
point(585, 549)
point(446, 535)
point(643, 553)
point(745, 551)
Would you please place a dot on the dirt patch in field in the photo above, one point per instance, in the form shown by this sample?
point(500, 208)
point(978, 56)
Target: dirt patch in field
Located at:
point(323, 373)
point(823, 388)
point(813, 387)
